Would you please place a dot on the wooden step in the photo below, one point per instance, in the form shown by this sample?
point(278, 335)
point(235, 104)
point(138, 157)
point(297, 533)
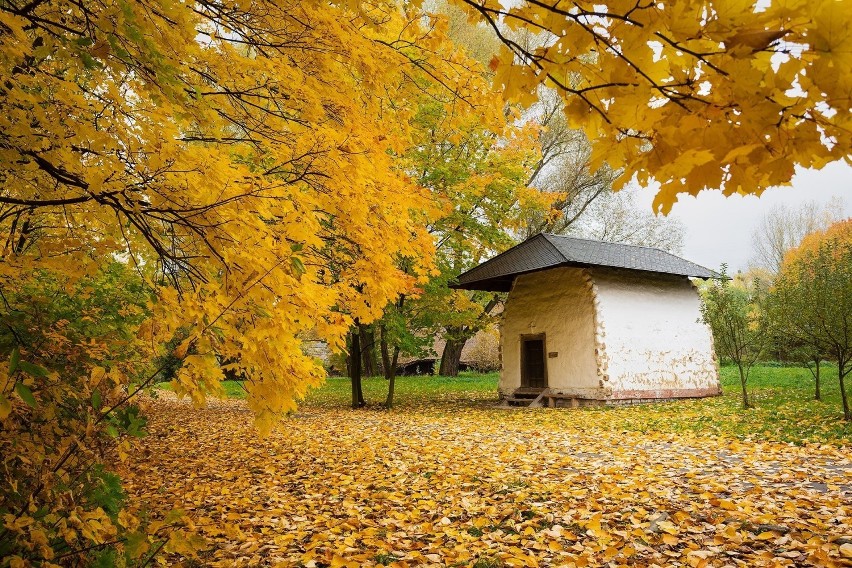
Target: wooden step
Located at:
point(527, 397)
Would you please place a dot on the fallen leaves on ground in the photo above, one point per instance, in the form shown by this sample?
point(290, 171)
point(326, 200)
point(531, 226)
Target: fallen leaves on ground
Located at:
point(470, 485)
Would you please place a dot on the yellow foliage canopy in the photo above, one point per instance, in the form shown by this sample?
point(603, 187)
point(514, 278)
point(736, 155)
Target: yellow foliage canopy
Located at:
point(711, 94)
point(240, 155)
point(840, 232)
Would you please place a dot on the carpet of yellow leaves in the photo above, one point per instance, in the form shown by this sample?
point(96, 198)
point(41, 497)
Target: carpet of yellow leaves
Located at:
point(461, 484)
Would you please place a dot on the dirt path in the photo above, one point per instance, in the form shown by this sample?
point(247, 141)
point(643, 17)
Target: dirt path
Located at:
point(483, 487)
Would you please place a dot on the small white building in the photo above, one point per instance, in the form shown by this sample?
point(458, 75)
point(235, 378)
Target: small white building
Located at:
point(590, 322)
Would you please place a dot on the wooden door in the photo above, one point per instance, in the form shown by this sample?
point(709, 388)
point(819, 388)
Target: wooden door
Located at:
point(533, 361)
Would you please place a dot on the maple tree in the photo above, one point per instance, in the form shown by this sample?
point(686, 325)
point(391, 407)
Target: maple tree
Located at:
point(715, 94)
point(240, 159)
point(477, 169)
point(482, 179)
point(812, 298)
point(476, 173)
point(148, 126)
point(482, 172)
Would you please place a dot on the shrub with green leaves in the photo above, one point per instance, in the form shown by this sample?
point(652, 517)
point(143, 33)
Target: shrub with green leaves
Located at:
point(74, 359)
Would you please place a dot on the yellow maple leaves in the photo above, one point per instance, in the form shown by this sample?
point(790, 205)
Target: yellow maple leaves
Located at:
point(241, 161)
point(718, 94)
point(252, 167)
point(237, 163)
point(456, 482)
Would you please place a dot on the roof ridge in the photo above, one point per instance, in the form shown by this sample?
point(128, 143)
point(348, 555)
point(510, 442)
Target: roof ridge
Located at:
point(547, 250)
point(628, 245)
point(609, 243)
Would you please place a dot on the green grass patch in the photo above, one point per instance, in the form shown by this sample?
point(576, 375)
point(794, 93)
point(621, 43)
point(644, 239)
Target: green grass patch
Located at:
point(467, 388)
point(785, 409)
point(233, 389)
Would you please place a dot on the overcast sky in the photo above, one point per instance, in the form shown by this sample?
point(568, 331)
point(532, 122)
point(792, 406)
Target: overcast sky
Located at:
point(719, 229)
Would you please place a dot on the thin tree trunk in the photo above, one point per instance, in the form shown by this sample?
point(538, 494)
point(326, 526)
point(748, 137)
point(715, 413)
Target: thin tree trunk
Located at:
point(817, 393)
point(389, 399)
point(355, 368)
point(389, 363)
point(743, 381)
point(847, 413)
point(349, 355)
point(451, 358)
point(383, 348)
point(368, 358)
point(392, 380)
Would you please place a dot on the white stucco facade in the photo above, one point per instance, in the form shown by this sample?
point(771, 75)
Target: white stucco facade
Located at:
point(610, 334)
point(653, 343)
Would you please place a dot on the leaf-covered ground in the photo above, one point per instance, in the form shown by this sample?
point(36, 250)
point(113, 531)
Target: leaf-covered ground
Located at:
point(458, 483)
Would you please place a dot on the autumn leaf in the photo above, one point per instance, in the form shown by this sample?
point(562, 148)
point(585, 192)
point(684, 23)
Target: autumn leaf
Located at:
point(26, 394)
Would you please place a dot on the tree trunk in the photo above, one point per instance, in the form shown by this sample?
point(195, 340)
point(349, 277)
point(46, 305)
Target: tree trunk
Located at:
point(392, 379)
point(743, 381)
point(368, 357)
point(451, 357)
point(841, 372)
point(349, 355)
point(389, 362)
point(355, 368)
point(383, 347)
point(817, 393)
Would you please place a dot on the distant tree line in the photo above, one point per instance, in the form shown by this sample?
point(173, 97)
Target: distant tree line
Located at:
point(802, 313)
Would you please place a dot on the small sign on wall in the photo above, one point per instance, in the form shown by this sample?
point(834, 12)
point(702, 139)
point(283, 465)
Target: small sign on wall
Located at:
point(552, 354)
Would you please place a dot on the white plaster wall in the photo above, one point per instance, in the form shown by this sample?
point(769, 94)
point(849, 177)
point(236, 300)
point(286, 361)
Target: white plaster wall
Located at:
point(558, 303)
point(650, 336)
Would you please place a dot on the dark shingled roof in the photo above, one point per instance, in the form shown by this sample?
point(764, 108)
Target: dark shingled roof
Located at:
point(545, 251)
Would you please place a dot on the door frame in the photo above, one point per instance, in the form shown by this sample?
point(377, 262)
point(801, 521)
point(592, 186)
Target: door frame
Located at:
point(528, 337)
